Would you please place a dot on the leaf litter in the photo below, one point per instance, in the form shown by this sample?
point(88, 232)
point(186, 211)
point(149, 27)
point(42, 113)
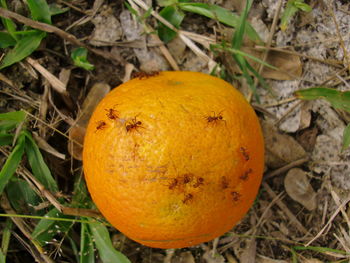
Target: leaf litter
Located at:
point(310, 52)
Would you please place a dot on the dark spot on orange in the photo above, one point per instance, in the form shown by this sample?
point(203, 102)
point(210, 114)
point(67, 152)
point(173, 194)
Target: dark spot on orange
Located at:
point(236, 196)
point(187, 199)
point(245, 175)
point(224, 182)
point(245, 153)
point(198, 182)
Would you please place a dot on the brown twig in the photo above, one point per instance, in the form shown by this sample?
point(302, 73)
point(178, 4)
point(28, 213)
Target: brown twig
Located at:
point(286, 210)
point(286, 168)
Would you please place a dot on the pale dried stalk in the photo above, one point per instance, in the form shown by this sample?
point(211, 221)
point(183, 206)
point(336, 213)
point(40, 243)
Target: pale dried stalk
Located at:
point(55, 82)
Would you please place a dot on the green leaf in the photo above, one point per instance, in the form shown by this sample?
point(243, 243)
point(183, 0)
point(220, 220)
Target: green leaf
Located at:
point(6, 139)
point(291, 8)
point(167, 2)
point(55, 9)
point(11, 120)
point(9, 25)
point(81, 197)
point(174, 16)
point(6, 40)
point(12, 162)
point(2, 257)
point(221, 14)
point(39, 10)
point(17, 116)
point(24, 47)
point(22, 197)
point(79, 56)
point(38, 165)
point(87, 254)
point(103, 242)
point(46, 229)
point(302, 6)
point(346, 137)
point(338, 99)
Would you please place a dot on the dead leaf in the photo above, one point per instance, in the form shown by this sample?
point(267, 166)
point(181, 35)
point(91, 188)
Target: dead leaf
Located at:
point(184, 257)
point(262, 259)
point(280, 149)
point(77, 132)
point(298, 187)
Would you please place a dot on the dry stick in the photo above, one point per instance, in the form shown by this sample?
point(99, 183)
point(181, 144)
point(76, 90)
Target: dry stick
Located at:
point(184, 38)
point(55, 82)
point(341, 40)
point(286, 167)
point(52, 29)
point(335, 63)
point(268, 44)
point(329, 221)
point(285, 209)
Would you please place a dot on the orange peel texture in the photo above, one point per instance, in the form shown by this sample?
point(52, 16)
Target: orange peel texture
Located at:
point(173, 159)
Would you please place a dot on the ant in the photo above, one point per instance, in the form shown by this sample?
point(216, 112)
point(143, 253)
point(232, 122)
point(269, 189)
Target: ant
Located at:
point(245, 154)
point(133, 125)
point(101, 125)
point(112, 114)
point(173, 184)
point(236, 196)
point(215, 118)
point(188, 198)
point(145, 75)
point(224, 182)
point(187, 178)
point(245, 176)
point(199, 182)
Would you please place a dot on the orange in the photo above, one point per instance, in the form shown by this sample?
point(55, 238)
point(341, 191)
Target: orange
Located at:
point(173, 159)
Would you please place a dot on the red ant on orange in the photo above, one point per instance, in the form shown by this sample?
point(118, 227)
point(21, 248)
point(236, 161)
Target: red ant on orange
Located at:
point(215, 118)
point(112, 114)
point(145, 75)
point(187, 199)
point(245, 153)
point(101, 125)
point(133, 125)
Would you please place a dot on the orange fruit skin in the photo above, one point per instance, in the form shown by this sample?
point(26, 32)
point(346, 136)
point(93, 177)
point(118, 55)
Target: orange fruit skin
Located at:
point(164, 168)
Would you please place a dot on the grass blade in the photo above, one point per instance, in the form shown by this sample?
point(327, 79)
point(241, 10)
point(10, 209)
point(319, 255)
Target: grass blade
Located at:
point(87, 254)
point(221, 14)
point(40, 10)
point(57, 10)
point(103, 242)
point(24, 47)
point(38, 165)
point(346, 137)
point(9, 25)
point(5, 139)
point(338, 99)
point(174, 16)
point(6, 40)
point(5, 241)
point(22, 197)
point(321, 249)
point(12, 162)
point(237, 39)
